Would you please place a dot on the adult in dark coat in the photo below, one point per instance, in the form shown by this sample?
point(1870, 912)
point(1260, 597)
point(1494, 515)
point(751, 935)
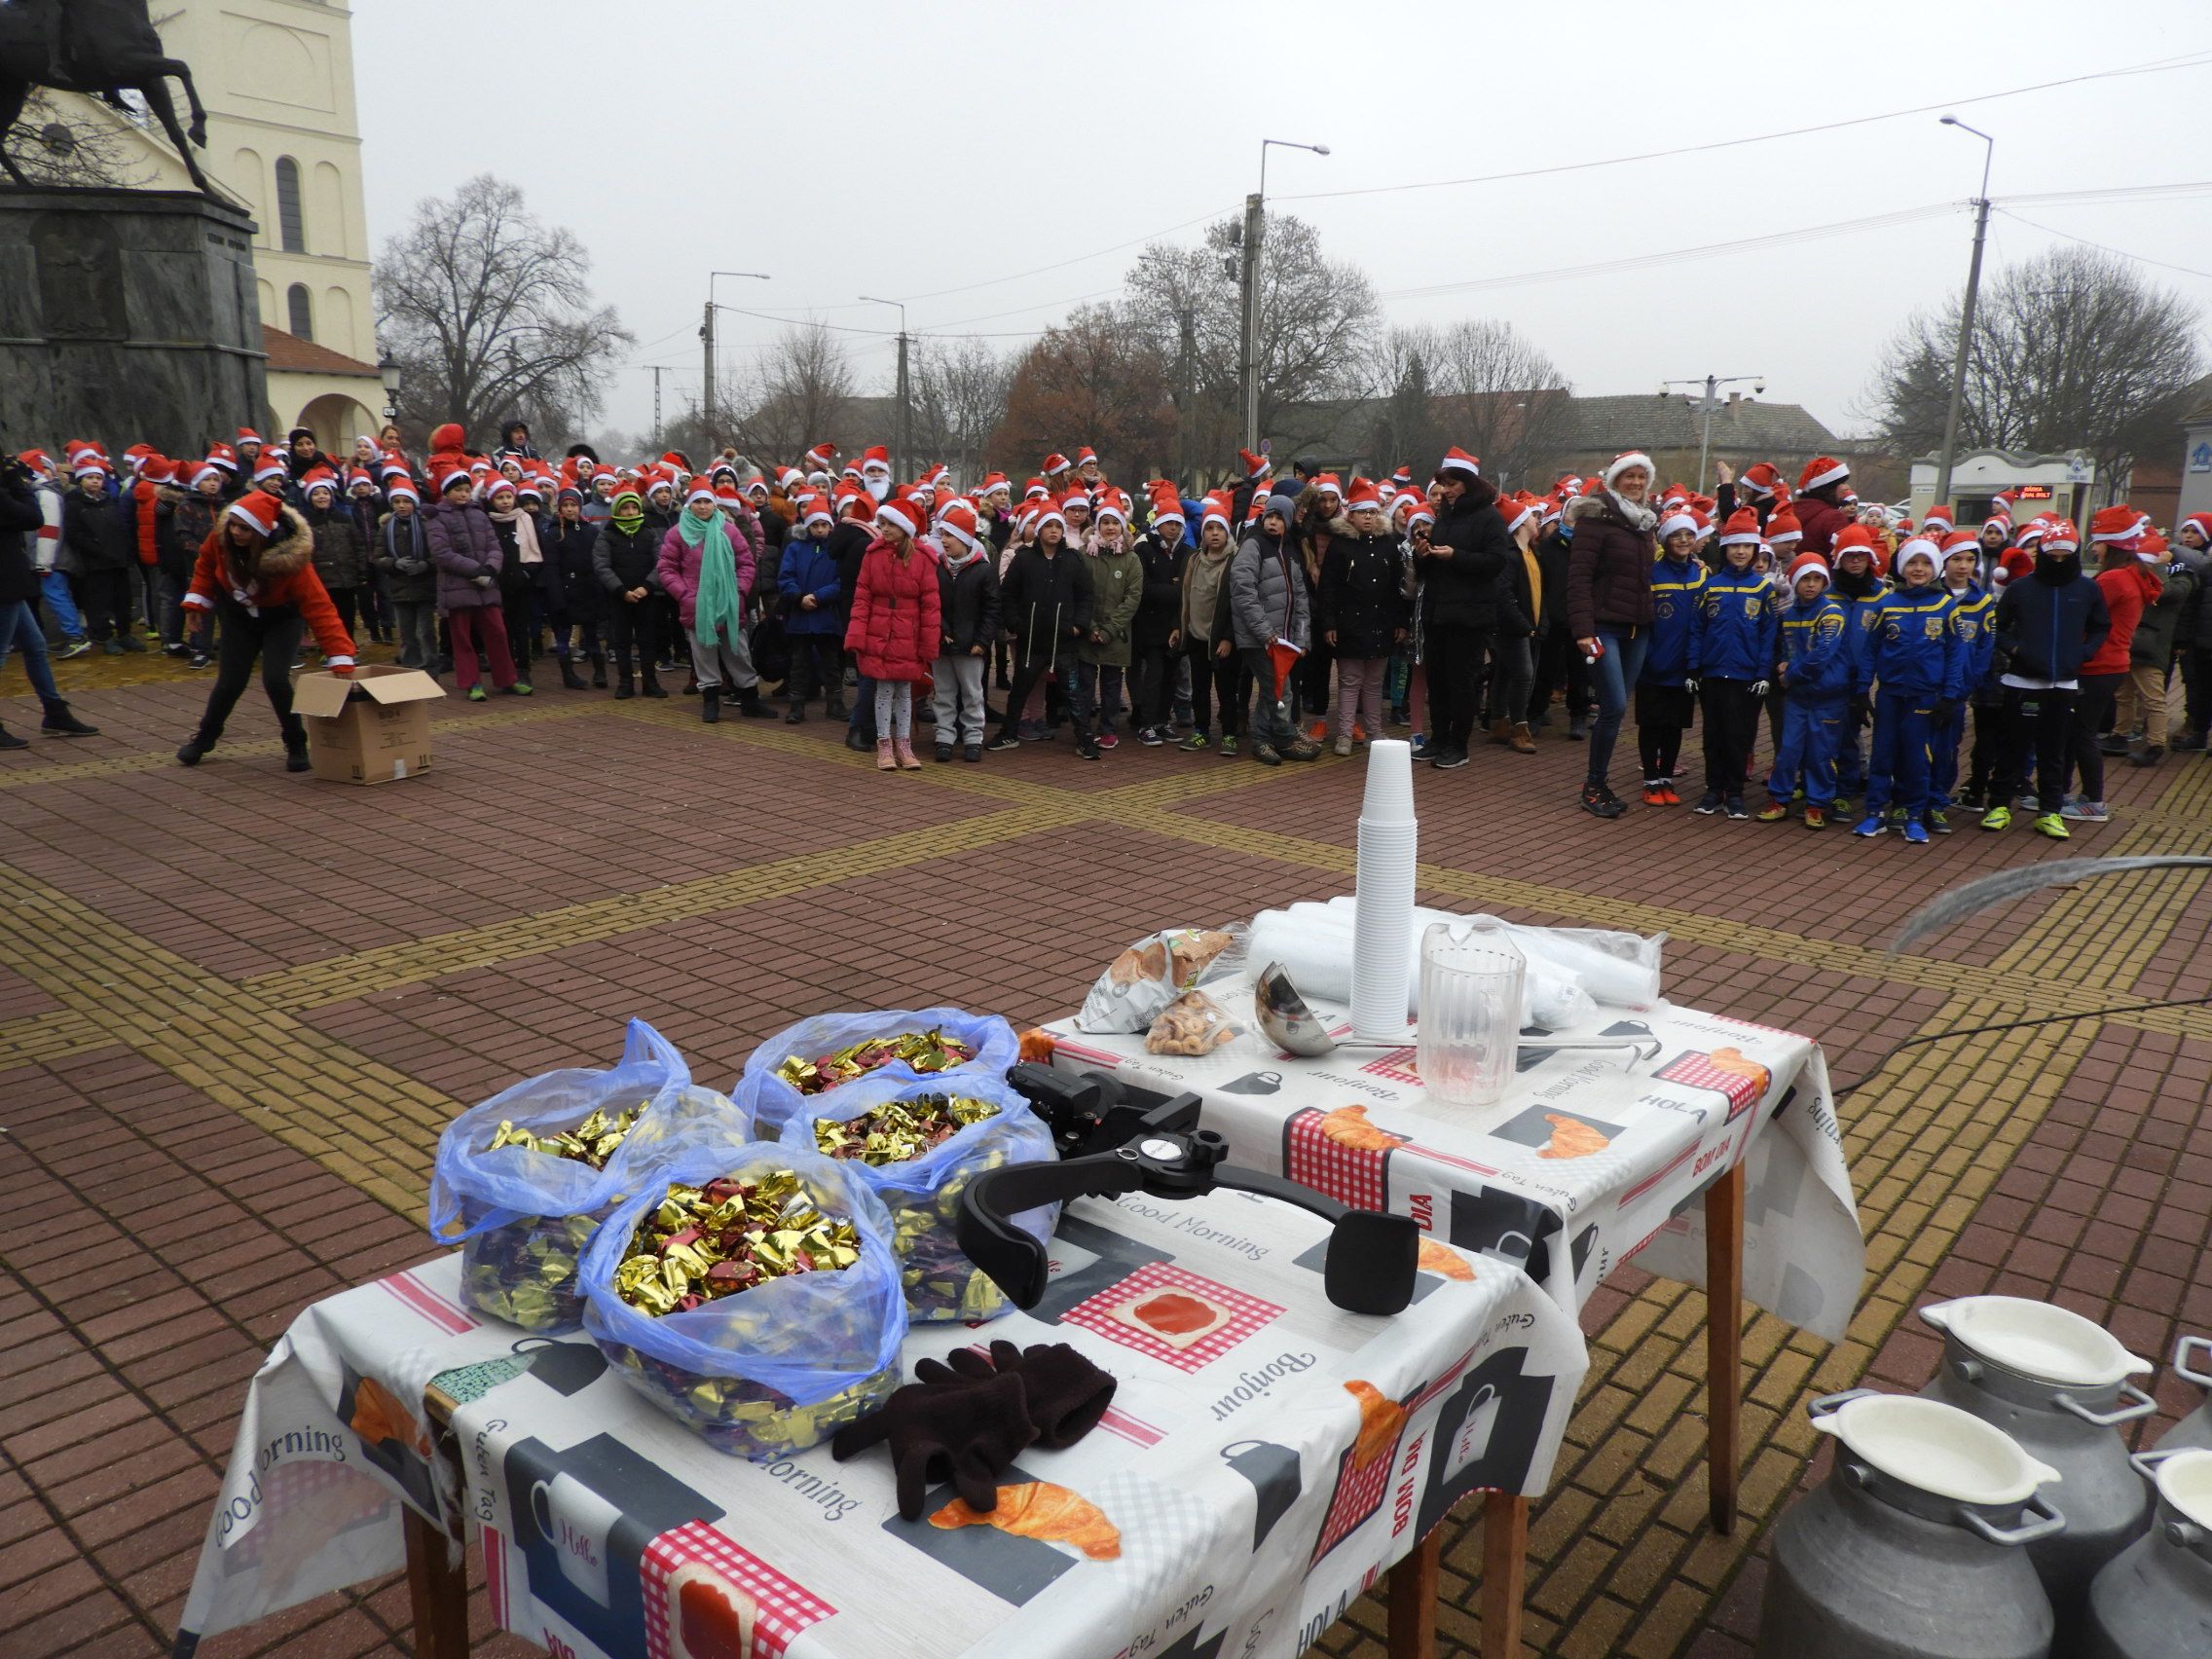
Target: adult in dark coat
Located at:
point(1045, 602)
point(1819, 505)
point(1468, 549)
point(1608, 604)
point(21, 518)
point(100, 546)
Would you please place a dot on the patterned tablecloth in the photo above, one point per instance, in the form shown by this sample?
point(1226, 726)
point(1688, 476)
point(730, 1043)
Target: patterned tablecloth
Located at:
point(1587, 1161)
point(1266, 1458)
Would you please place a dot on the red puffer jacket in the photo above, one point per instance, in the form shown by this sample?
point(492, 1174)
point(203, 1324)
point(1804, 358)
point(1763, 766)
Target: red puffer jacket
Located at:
point(2128, 590)
point(896, 611)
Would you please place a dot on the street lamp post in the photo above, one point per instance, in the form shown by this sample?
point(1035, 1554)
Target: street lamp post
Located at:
point(707, 341)
point(1710, 403)
point(902, 461)
point(1255, 225)
point(1945, 458)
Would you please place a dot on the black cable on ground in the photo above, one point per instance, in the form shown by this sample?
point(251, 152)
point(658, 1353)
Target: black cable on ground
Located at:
point(2014, 1025)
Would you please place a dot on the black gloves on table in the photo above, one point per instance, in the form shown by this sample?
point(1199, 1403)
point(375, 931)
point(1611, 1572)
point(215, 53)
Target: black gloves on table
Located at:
point(969, 1419)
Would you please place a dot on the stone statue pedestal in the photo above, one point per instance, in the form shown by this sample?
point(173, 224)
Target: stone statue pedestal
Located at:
point(127, 316)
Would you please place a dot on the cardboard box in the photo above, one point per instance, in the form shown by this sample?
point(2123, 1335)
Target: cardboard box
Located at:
point(370, 728)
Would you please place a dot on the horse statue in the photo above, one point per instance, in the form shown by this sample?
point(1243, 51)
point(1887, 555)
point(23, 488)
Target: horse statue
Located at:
point(103, 48)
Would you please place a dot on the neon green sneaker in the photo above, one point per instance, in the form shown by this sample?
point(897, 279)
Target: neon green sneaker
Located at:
point(1997, 818)
point(2054, 826)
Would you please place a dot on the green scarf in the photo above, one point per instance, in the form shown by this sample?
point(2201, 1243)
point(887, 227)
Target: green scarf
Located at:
point(627, 522)
point(717, 608)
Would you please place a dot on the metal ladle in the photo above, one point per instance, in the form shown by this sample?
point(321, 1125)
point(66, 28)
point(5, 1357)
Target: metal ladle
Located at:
point(1296, 1029)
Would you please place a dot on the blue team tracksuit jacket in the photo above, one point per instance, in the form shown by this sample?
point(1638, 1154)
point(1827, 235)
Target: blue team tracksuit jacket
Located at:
point(1736, 626)
point(1677, 586)
point(1813, 641)
point(1973, 613)
point(1914, 655)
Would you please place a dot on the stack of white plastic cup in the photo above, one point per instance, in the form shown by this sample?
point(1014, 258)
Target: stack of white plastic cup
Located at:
point(1383, 922)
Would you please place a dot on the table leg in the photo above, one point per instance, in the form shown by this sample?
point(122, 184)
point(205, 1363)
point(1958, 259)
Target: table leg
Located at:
point(1413, 1601)
point(437, 1592)
point(1506, 1556)
point(1723, 1342)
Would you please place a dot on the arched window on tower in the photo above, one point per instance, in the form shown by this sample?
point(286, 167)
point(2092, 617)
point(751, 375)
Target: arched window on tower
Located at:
point(299, 310)
point(291, 220)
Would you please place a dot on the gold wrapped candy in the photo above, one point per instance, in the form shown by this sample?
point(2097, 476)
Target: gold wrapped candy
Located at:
point(700, 1243)
point(898, 1130)
point(924, 1051)
point(593, 1141)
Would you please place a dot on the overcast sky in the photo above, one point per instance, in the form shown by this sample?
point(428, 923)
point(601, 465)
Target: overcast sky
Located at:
point(936, 154)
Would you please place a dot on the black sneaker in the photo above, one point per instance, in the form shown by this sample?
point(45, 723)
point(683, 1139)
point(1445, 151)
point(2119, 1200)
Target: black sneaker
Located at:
point(1578, 729)
point(1265, 753)
point(855, 741)
point(1735, 807)
point(9, 740)
point(944, 751)
point(1448, 759)
point(296, 760)
point(1708, 803)
point(1006, 740)
point(1600, 802)
point(971, 752)
point(1087, 749)
point(60, 723)
point(193, 752)
point(1151, 737)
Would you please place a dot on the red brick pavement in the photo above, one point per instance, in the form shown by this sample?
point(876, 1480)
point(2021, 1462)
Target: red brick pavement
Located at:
point(156, 1242)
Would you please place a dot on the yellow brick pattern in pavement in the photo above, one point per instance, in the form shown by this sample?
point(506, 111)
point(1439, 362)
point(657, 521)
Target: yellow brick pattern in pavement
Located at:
point(360, 1119)
point(1620, 1559)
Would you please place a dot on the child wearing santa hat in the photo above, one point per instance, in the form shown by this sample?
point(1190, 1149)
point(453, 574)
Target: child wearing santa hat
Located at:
point(897, 626)
point(1913, 655)
point(1811, 664)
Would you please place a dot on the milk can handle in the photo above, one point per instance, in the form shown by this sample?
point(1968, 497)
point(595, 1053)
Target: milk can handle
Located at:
point(2182, 1367)
point(2141, 1406)
point(2146, 1464)
point(1829, 1404)
point(2051, 1523)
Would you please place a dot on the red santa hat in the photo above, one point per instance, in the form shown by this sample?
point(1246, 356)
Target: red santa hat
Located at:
point(271, 466)
point(2201, 523)
point(1422, 512)
point(1048, 511)
point(702, 490)
point(1036, 490)
point(994, 482)
point(1458, 459)
point(902, 512)
point(1363, 498)
point(318, 478)
point(260, 511)
point(1760, 478)
point(1918, 547)
point(1403, 478)
point(958, 521)
point(247, 435)
point(2116, 524)
point(1821, 470)
point(818, 511)
point(1853, 538)
point(211, 469)
point(403, 486)
point(1166, 508)
point(447, 470)
point(1085, 455)
point(822, 457)
point(876, 457)
point(789, 477)
point(1742, 528)
point(1782, 524)
point(1683, 517)
point(1808, 563)
point(1938, 518)
point(1622, 461)
point(1517, 511)
point(2060, 537)
point(1055, 463)
point(1255, 466)
point(1215, 511)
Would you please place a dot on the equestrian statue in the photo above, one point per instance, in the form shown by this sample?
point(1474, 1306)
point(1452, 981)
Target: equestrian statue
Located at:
point(102, 47)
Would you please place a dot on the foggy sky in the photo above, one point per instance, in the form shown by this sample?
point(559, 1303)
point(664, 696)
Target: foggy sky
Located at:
point(908, 150)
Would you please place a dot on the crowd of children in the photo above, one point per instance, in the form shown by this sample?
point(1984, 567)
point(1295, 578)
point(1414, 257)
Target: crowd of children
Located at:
point(1268, 618)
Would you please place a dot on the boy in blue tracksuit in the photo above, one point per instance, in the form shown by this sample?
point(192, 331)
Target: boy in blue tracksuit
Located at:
point(1812, 663)
point(1663, 696)
point(1973, 612)
point(1913, 650)
point(1735, 651)
point(1857, 587)
point(808, 583)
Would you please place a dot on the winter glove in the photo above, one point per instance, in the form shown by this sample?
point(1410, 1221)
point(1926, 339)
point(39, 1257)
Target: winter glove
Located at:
point(1759, 687)
point(1067, 1394)
point(1690, 685)
point(1944, 709)
point(967, 1428)
point(481, 581)
point(1860, 707)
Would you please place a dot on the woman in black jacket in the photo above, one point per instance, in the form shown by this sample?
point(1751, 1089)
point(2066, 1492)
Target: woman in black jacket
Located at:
point(1468, 551)
point(572, 596)
point(1045, 602)
point(1363, 614)
point(1161, 554)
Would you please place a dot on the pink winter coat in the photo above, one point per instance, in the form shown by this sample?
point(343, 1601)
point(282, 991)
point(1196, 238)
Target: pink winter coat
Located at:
point(895, 612)
point(679, 569)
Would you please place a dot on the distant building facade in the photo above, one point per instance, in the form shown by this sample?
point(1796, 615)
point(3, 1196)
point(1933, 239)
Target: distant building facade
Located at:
point(276, 78)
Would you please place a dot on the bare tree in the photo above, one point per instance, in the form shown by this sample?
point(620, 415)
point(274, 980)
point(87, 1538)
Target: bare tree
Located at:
point(1404, 423)
point(1499, 396)
point(1317, 323)
point(2071, 350)
point(959, 392)
point(1094, 380)
point(796, 394)
point(490, 314)
point(80, 144)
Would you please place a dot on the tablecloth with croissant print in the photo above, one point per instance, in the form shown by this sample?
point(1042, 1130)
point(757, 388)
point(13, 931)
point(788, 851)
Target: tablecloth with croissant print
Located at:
point(1589, 1161)
point(1266, 1455)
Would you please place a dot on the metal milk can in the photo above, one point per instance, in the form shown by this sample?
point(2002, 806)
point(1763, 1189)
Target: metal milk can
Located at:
point(2194, 1429)
point(2154, 1600)
point(1912, 1548)
point(2055, 1383)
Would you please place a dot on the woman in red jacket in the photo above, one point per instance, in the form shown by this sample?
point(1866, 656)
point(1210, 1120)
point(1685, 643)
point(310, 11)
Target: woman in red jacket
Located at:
point(895, 625)
point(256, 572)
point(2128, 586)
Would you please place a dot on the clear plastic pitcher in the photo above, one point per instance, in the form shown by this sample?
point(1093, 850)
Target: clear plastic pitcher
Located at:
point(1471, 987)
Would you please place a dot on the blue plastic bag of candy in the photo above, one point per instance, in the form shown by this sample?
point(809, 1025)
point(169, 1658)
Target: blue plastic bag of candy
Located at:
point(521, 1180)
point(916, 1143)
point(832, 1050)
point(752, 1296)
